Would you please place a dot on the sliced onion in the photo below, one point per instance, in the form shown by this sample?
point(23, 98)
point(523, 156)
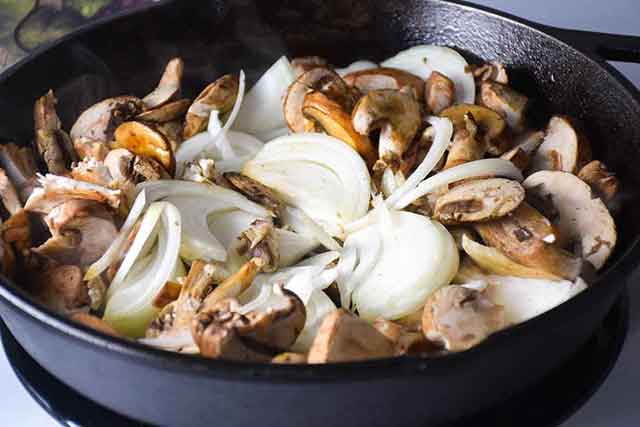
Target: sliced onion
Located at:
point(320, 260)
point(318, 307)
point(424, 59)
point(261, 110)
point(475, 169)
point(130, 310)
point(368, 248)
point(174, 341)
point(356, 66)
point(318, 174)
point(301, 223)
point(443, 132)
point(262, 297)
point(227, 225)
point(114, 252)
point(293, 246)
point(144, 234)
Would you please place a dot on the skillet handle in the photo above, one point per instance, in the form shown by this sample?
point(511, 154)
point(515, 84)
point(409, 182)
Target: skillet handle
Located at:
point(609, 47)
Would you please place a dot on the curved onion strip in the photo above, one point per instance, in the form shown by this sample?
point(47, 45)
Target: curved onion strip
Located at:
point(474, 169)
point(301, 284)
point(293, 246)
point(443, 133)
point(388, 183)
point(320, 260)
point(345, 268)
point(259, 300)
point(318, 306)
point(113, 253)
point(356, 66)
point(227, 225)
point(174, 341)
point(301, 223)
point(145, 232)
point(364, 251)
point(422, 60)
point(325, 279)
point(130, 310)
point(261, 110)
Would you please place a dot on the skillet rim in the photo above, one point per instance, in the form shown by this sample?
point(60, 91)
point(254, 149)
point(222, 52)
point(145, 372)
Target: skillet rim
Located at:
point(616, 274)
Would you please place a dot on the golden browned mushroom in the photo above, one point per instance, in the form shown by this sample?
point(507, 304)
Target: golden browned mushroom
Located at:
point(16, 230)
point(459, 318)
point(260, 244)
point(218, 96)
point(404, 341)
point(490, 72)
point(98, 122)
point(385, 78)
point(169, 292)
point(490, 123)
point(256, 192)
point(398, 117)
point(479, 200)
point(335, 121)
point(525, 147)
point(144, 140)
point(439, 92)
point(235, 284)
point(167, 112)
point(603, 183)
point(343, 337)
point(582, 218)
point(511, 105)
point(528, 238)
point(305, 63)
point(169, 85)
point(467, 145)
point(564, 148)
point(94, 322)
point(53, 144)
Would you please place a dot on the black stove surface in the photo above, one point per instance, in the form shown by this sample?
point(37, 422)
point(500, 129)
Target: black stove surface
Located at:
point(549, 403)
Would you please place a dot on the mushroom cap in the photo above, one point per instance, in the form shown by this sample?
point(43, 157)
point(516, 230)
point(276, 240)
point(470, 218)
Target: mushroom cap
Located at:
point(459, 317)
point(581, 217)
point(490, 122)
point(384, 78)
point(219, 96)
point(98, 122)
point(564, 148)
point(603, 183)
point(169, 85)
point(439, 92)
point(144, 140)
point(505, 101)
point(167, 112)
point(303, 64)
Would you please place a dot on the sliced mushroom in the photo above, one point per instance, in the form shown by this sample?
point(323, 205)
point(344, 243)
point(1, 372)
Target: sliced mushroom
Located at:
point(490, 123)
point(169, 85)
point(218, 96)
point(94, 322)
point(256, 192)
point(93, 171)
point(439, 92)
point(16, 230)
point(318, 79)
point(385, 78)
point(167, 294)
point(235, 284)
point(505, 101)
point(582, 218)
point(404, 340)
point(61, 288)
point(564, 147)
point(479, 200)
point(98, 122)
point(525, 147)
point(467, 145)
point(528, 238)
point(53, 144)
point(305, 63)
point(167, 112)
point(335, 121)
point(490, 72)
point(343, 337)
point(147, 169)
point(144, 140)
point(398, 117)
point(20, 167)
point(459, 318)
point(204, 170)
point(260, 244)
point(603, 183)
point(8, 194)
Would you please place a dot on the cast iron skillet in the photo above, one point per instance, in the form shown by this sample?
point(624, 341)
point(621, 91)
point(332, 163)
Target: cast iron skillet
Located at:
point(125, 55)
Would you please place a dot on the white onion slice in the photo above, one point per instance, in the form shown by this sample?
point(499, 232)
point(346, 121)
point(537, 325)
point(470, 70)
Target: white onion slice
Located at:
point(227, 225)
point(422, 60)
point(320, 260)
point(175, 341)
point(261, 110)
point(301, 223)
point(113, 253)
point(356, 66)
point(318, 174)
point(318, 307)
point(474, 169)
point(443, 132)
point(293, 246)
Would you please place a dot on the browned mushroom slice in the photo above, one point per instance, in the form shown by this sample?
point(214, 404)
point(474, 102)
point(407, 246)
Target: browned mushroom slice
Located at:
point(147, 169)
point(582, 219)
point(491, 72)
point(505, 101)
point(335, 121)
point(172, 130)
point(459, 318)
point(60, 288)
point(167, 112)
point(525, 147)
point(305, 63)
point(219, 96)
point(20, 167)
point(479, 200)
point(398, 117)
point(289, 358)
point(317, 79)
point(169, 85)
point(603, 183)
point(528, 238)
point(143, 140)
point(343, 337)
point(259, 243)
point(385, 78)
point(94, 322)
point(8, 194)
point(16, 230)
point(564, 148)
point(235, 284)
point(404, 341)
point(53, 144)
point(98, 122)
point(167, 294)
point(256, 192)
point(439, 92)
point(467, 144)
point(490, 123)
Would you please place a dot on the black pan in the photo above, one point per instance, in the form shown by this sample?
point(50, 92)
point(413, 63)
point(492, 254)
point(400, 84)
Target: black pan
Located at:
point(564, 71)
